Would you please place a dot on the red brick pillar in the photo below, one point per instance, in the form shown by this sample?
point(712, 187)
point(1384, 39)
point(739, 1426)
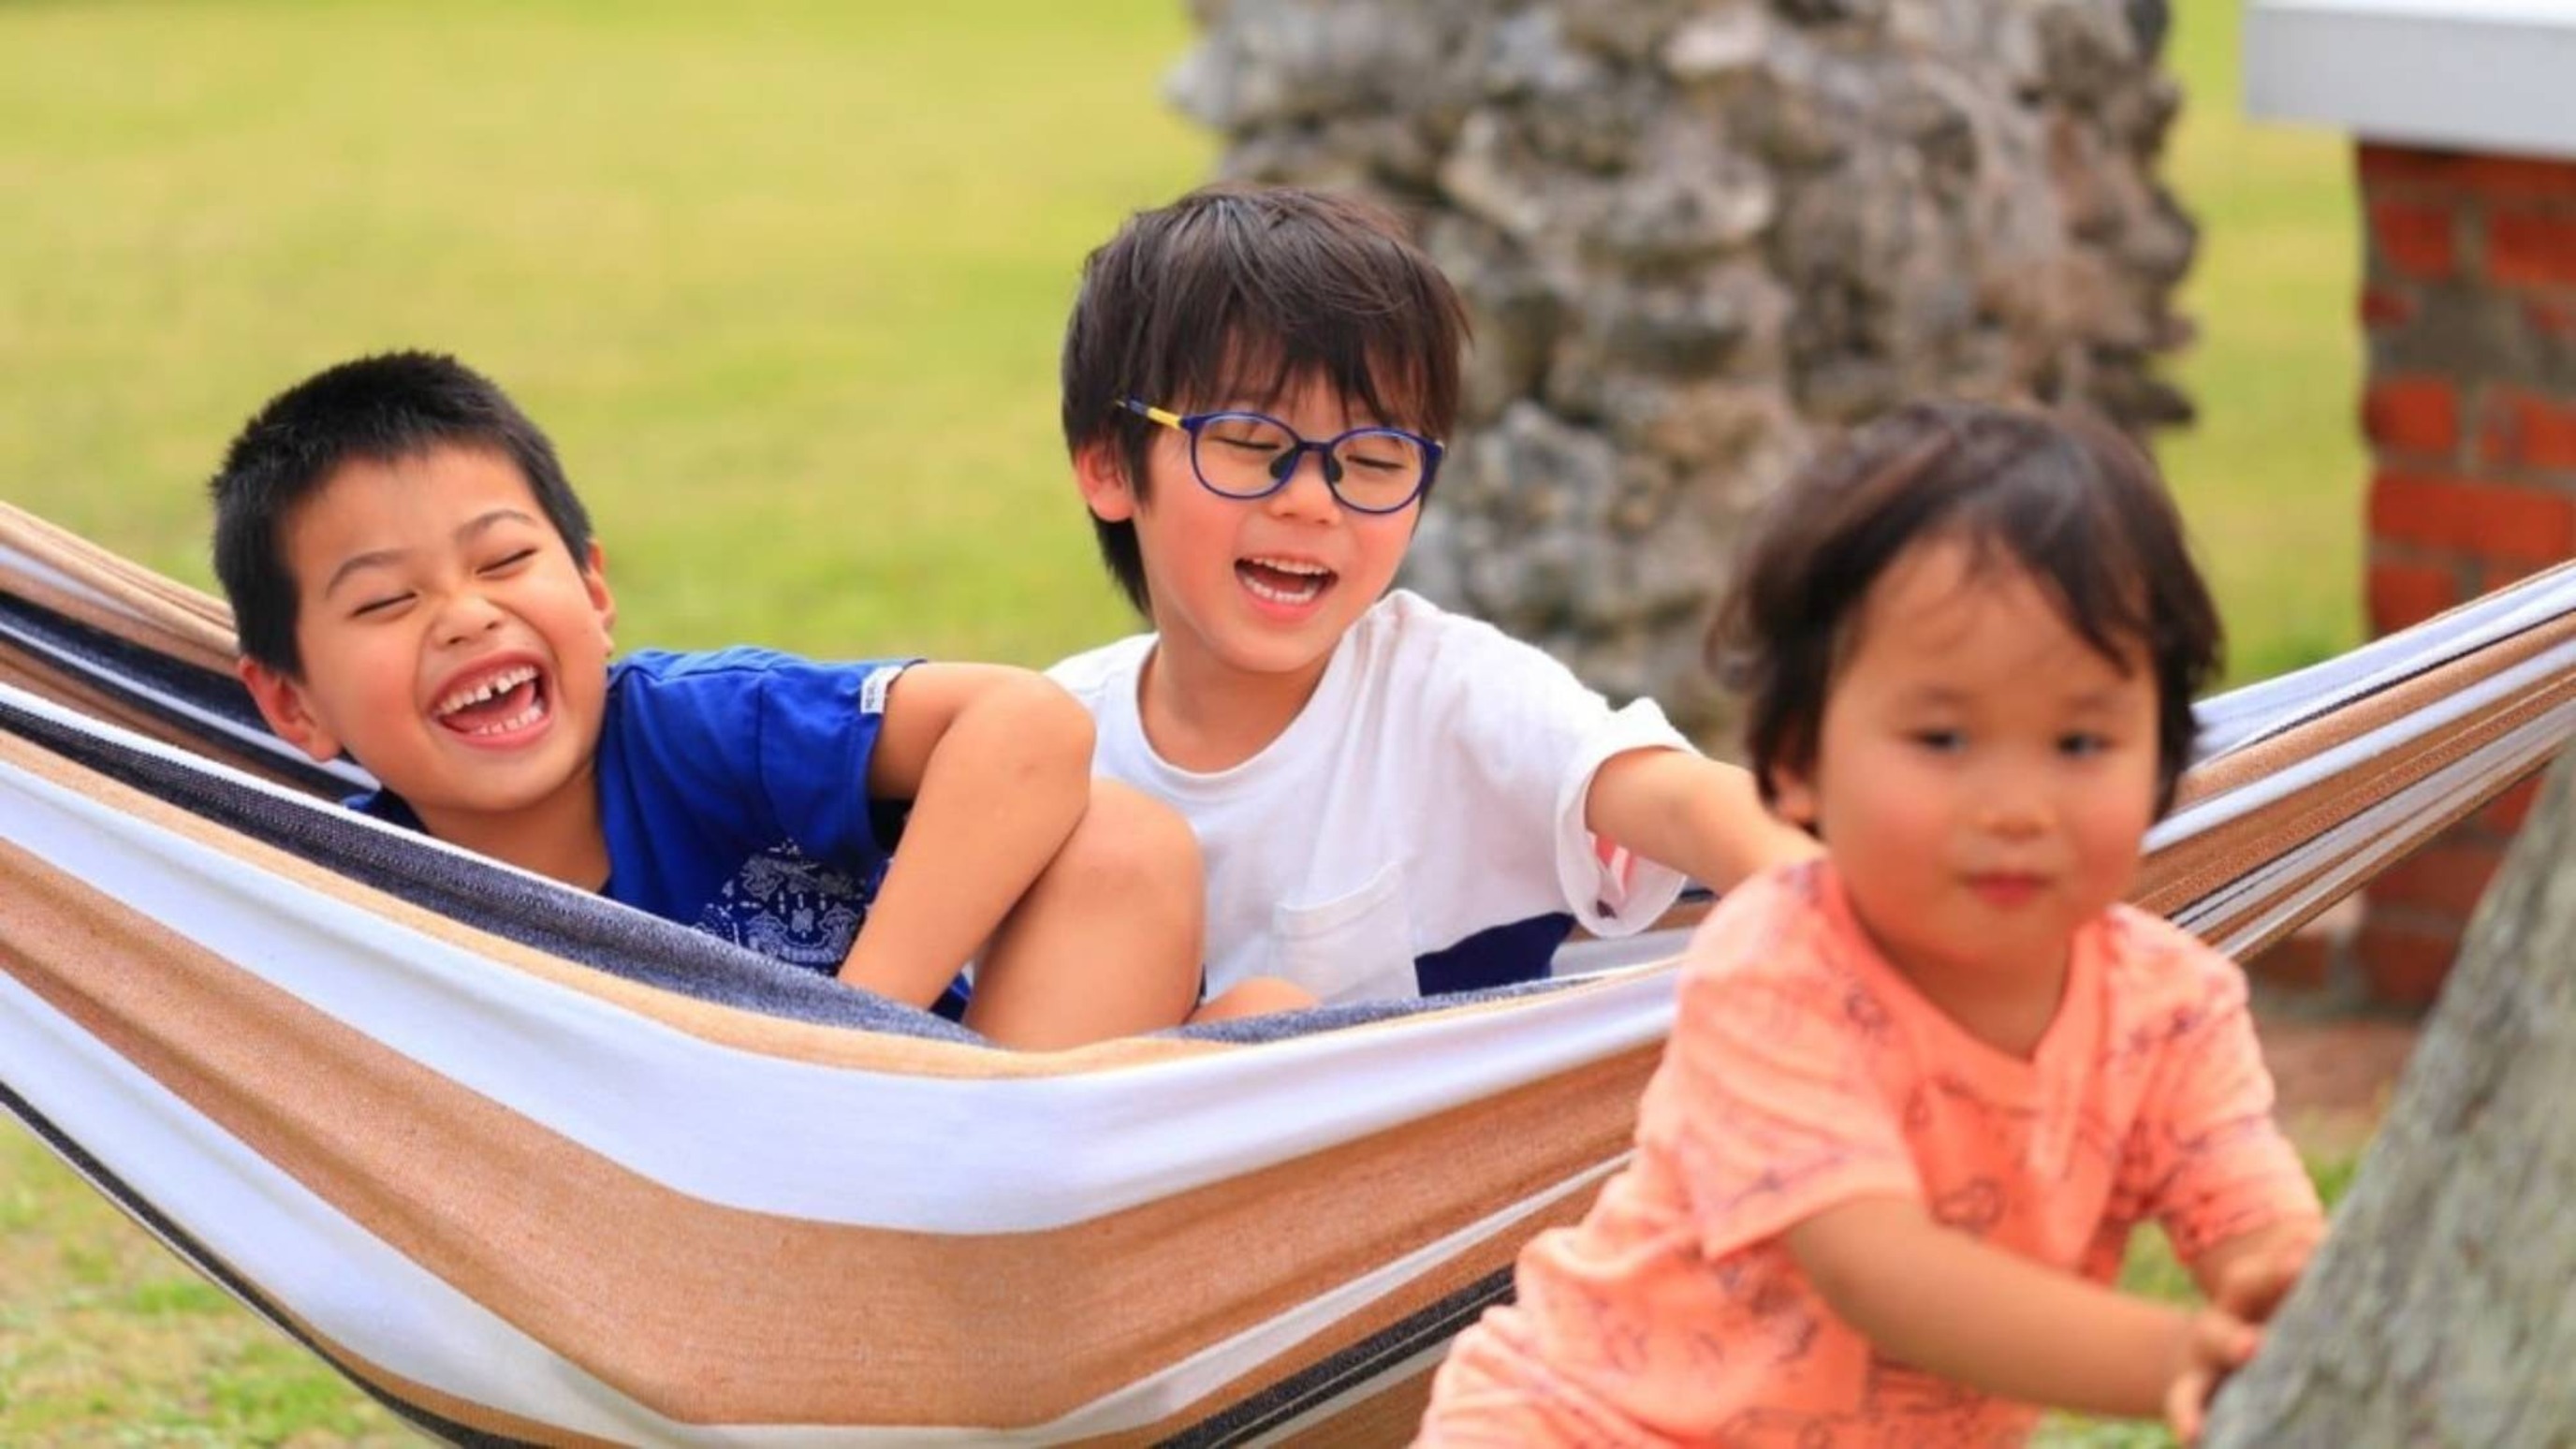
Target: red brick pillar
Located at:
point(2469, 300)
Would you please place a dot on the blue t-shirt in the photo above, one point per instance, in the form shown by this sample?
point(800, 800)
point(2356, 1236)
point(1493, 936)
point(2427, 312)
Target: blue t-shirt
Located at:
point(733, 793)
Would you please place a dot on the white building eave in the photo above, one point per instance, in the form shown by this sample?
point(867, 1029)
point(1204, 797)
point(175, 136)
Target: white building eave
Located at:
point(2471, 75)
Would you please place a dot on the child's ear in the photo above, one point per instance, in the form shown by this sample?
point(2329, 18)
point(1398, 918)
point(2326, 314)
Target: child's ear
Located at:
point(1102, 475)
point(1793, 797)
point(594, 579)
point(281, 702)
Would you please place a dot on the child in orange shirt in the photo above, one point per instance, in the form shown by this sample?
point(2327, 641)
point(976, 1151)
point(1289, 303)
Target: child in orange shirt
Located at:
point(1919, 1092)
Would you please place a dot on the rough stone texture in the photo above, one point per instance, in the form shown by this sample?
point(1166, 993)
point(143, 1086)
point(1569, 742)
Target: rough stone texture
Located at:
point(1696, 237)
point(2439, 1312)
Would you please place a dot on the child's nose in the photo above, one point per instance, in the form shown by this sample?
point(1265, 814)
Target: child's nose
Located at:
point(2016, 819)
point(2012, 810)
point(465, 616)
point(1306, 494)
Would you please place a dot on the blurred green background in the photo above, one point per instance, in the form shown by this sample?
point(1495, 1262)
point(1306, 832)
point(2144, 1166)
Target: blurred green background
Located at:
point(785, 284)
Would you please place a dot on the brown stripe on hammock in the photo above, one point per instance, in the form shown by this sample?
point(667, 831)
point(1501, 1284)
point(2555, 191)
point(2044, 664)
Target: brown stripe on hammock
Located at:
point(157, 612)
point(501, 1209)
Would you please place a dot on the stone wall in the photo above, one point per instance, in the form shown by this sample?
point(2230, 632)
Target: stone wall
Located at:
point(1697, 238)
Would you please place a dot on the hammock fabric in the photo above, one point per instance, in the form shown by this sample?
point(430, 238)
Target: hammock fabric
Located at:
point(529, 1167)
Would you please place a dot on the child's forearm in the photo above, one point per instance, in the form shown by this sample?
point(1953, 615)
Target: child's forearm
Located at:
point(2281, 1247)
point(1949, 1305)
point(1002, 790)
point(1699, 816)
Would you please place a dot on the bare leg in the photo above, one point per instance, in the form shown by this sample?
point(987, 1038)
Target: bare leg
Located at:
point(1108, 940)
point(1258, 996)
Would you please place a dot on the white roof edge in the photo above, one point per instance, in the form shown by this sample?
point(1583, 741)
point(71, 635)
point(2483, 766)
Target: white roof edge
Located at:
point(2475, 75)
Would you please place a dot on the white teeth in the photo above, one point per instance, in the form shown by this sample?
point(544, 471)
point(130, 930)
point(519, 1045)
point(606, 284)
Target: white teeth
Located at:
point(1291, 566)
point(1282, 596)
point(501, 683)
point(1312, 576)
point(524, 718)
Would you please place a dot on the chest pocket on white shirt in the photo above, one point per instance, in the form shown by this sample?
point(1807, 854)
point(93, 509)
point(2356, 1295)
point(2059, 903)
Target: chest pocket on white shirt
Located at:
point(1358, 947)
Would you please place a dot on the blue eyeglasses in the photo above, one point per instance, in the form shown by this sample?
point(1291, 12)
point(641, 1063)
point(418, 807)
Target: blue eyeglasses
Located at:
point(1253, 455)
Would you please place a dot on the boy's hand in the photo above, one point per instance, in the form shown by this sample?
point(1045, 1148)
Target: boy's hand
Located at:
point(2224, 1336)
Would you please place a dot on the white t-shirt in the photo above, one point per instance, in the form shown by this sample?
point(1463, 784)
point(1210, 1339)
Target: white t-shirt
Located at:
point(1417, 828)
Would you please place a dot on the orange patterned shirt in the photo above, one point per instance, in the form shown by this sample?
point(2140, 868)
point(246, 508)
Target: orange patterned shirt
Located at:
point(1804, 1072)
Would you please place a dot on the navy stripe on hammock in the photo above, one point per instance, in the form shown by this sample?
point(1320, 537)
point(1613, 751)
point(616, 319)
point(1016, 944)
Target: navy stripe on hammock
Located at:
point(1323, 1382)
point(116, 667)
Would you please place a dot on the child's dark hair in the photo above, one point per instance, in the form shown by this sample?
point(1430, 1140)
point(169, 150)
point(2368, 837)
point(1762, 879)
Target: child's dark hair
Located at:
point(1235, 293)
point(378, 409)
point(2063, 497)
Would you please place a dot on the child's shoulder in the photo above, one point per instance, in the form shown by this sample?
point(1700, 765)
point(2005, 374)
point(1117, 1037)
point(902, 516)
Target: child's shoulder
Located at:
point(1405, 619)
point(1406, 637)
point(749, 675)
point(1771, 977)
point(1091, 674)
point(1778, 929)
point(686, 666)
point(2150, 963)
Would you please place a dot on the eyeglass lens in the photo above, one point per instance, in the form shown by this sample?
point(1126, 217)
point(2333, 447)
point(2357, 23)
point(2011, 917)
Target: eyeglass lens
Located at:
point(1243, 455)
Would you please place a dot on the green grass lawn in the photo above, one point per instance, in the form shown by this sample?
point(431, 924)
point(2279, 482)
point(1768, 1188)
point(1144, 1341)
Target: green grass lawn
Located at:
point(786, 289)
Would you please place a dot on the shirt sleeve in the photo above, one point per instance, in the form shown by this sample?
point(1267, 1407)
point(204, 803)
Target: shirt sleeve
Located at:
point(1534, 732)
point(816, 733)
point(1613, 892)
point(2214, 1164)
point(1769, 1107)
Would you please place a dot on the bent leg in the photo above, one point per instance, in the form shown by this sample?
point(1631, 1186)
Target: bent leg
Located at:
point(1107, 941)
point(1258, 996)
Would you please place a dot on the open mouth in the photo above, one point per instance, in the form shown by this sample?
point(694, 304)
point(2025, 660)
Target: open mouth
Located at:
point(1284, 581)
point(500, 703)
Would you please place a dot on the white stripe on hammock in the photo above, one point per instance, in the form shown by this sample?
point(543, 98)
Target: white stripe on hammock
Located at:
point(2258, 711)
point(2360, 847)
point(2349, 756)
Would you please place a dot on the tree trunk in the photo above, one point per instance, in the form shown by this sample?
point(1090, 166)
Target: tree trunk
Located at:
point(2442, 1310)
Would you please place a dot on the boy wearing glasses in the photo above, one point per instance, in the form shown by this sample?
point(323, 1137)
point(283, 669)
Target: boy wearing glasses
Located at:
point(1391, 799)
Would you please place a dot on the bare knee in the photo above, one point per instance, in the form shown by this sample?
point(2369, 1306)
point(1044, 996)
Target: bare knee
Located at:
point(1134, 849)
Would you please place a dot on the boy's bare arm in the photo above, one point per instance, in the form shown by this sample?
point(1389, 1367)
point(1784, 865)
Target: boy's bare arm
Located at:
point(997, 763)
point(1947, 1304)
point(1694, 814)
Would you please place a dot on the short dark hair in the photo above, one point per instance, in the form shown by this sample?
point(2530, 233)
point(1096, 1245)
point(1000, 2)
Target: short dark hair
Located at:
point(2062, 496)
point(1238, 292)
point(379, 409)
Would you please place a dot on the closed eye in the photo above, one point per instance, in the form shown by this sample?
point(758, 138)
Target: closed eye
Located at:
point(509, 562)
point(378, 606)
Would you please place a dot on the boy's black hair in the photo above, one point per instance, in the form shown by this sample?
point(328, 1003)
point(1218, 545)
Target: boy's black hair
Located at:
point(378, 409)
point(1235, 293)
point(2063, 497)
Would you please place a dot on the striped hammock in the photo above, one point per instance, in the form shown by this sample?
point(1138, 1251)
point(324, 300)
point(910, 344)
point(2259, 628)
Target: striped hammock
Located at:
point(532, 1168)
